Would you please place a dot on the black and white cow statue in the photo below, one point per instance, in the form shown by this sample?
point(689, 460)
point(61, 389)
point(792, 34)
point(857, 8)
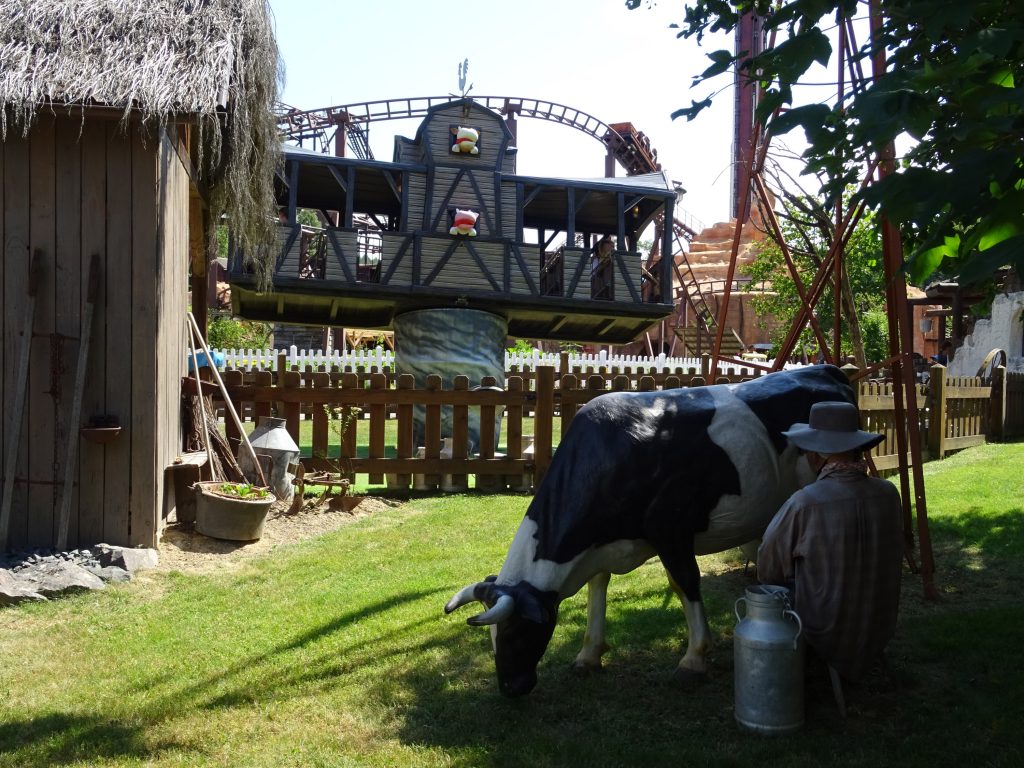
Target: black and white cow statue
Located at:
point(676, 474)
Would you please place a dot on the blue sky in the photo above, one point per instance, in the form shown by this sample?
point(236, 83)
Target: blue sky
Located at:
point(592, 55)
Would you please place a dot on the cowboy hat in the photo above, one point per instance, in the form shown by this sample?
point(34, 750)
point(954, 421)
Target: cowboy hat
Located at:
point(832, 428)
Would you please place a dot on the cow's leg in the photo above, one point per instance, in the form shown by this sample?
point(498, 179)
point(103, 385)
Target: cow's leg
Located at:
point(594, 645)
point(684, 576)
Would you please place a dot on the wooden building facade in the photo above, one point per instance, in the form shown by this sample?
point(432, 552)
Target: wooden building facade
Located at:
point(389, 244)
point(81, 195)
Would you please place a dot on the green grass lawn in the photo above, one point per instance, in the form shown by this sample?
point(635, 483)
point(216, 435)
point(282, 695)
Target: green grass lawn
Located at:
point(335, 652)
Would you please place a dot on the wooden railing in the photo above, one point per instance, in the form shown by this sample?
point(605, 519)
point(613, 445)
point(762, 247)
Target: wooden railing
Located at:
point(954, 413)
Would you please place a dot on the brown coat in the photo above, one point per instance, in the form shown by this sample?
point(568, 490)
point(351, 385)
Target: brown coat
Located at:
point(838, 542)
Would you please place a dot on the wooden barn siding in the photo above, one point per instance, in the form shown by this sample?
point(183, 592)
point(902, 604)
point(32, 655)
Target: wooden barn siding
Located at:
point(349, 253)
point(172, 291)
point(440, 137)
point(464, 196)
point(5, 359)
point(39, 443)
point(508, 210)
point(289, 257)
point(93, 516)
point(417, 201)
point(571, 258)
point(517, 280)
point(17, 254)
point(461, 270)
point(72, 190)
point(390, 246)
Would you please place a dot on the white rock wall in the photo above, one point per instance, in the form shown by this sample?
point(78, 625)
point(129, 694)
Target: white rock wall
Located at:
point(1003, 330)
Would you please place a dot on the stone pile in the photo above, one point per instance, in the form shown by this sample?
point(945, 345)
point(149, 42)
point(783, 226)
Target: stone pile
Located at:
point(43, 574)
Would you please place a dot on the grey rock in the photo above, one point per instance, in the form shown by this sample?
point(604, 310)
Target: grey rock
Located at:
point(109, 572)
point(56, 577)
point(131, 560)
point(12, 590)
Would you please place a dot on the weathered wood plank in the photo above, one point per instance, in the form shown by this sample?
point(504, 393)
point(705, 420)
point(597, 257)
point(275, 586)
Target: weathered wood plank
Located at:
point(460, 432)
point(70, 287)
point(16, 257)
point(404, 447)
point(40, 442)
point(144, 493)
point(173, 292)
point(378, 419)
point(3, 316)
point(964, 441)
point(118, 288)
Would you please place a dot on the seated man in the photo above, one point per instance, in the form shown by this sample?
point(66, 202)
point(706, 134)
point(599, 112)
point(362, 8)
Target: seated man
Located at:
point(838, 543)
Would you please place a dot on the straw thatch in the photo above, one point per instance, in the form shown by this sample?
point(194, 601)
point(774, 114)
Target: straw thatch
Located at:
point(211, 62)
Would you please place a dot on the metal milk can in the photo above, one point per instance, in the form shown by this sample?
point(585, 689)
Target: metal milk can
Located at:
point(768, 656)
point(271, 438)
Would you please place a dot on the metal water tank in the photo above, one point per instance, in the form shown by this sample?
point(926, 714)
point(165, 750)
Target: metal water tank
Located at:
point(768, 654)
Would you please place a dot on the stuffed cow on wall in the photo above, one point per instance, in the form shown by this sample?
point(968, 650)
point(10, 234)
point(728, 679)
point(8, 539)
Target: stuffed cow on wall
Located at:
point(465, 141)
point(464, 223)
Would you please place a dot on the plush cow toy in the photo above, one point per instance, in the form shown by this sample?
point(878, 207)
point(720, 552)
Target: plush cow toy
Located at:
point(464, 223)
point(465, 140)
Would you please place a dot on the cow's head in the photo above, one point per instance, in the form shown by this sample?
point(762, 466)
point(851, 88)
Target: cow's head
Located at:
point(522, 619)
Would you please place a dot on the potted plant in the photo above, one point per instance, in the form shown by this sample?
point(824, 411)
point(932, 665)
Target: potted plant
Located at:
point(234, 511)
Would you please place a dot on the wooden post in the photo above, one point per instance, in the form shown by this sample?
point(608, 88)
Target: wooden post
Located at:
point(850, 371)
point(432, 431)
point(937, 415)
point(348, 438)
point(514, 432)
point(321, 447)
point(378, 419)
point(569, 383)
point(490, 483)
point(460, 433)
point(997, 414)
point(406, 384)
point(291, 410)
point(542, 425)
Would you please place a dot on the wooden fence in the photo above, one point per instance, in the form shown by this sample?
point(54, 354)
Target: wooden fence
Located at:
point(954, 413)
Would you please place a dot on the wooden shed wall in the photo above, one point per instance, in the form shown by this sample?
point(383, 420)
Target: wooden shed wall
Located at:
point(439, 138)
point(71, 190)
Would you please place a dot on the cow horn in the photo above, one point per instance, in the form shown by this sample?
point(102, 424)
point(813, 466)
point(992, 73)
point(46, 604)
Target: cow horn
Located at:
point(502, 609)
point(464, 595)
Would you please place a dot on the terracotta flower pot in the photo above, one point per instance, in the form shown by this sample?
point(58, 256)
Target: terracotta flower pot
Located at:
point(224, 516)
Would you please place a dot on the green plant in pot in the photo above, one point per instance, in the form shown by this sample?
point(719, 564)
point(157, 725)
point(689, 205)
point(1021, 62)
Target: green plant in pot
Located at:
point(233, 511)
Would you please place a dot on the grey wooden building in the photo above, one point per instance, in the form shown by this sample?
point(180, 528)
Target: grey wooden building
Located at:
point(389, 245)
point(105, 179)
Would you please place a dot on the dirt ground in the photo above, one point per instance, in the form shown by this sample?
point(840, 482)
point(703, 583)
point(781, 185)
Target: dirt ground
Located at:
point(182, 549)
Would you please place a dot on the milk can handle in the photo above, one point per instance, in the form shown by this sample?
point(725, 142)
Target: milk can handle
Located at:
point(799, 626)
point(736, 607)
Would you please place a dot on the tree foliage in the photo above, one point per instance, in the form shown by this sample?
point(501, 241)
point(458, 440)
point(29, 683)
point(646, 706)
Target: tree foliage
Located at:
point(808, 247)
point(954, 82)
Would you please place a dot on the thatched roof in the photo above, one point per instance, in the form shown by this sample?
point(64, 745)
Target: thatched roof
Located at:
point(213, 62)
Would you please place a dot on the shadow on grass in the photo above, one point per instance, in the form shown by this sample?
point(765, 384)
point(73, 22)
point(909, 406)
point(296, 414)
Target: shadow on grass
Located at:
point(950, 673)
point(61, 738)
point(66, 737)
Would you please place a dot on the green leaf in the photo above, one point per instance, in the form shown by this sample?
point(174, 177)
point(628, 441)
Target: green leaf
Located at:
point(923, 265)
point(813, 115)
point(983, 265)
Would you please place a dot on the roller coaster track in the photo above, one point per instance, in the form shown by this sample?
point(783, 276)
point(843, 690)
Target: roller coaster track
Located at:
point(630, 148)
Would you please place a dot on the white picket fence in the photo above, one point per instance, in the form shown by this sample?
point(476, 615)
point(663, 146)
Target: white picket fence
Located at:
point(266, 359)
